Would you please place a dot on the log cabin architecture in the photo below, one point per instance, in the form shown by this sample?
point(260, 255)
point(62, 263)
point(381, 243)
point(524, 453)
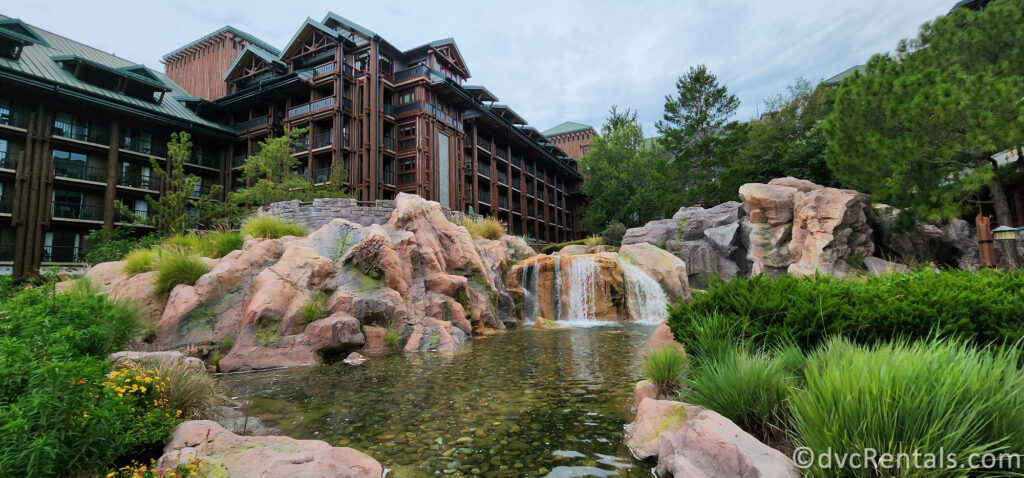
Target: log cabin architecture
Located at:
point(571, 137)
point(78, 126)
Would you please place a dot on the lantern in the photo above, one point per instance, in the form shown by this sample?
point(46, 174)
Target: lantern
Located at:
point(1003, 233)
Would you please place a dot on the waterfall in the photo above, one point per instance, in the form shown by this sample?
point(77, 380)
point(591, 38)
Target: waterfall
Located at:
point(556, 297)
point(581, 277)
point(644, 296)
point(529, 283)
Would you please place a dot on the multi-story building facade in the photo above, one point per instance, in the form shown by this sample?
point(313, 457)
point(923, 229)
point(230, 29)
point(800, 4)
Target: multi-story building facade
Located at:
point(78, 126)
point(571, 137)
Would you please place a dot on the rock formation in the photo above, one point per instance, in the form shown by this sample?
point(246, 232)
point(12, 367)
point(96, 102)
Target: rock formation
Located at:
point(419, 275)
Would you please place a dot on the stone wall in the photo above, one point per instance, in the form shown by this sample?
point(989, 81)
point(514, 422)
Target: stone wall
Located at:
point(321, 211)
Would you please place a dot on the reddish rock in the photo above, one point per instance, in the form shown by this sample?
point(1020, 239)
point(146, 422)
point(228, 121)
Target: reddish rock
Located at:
point(661, 337)
point(354, 359)
point(643, 390)
point(654, 420)
point(146, 357)
point(227, 454)
point(375, 337)
point(667, 269)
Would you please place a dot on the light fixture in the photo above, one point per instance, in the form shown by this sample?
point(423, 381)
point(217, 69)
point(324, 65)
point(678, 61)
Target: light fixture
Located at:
point(1002, 233)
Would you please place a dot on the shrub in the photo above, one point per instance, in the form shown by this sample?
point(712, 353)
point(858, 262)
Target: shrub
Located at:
point(613, 233)
point(485, 227)
point(266, 226)
point(983, 307)
point(177, 267)
point(316, 308)
point(391, 338)
point(139, 261)
point(666, 367)
point(219, 243)
point(185, 241)
point(191, 390)
point(592, 241)
point(113, 246)
point(924, 396)
point(748, 388)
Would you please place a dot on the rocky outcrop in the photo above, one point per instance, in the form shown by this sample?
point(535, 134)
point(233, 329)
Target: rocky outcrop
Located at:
point(149, 357)
point(419, 275)
point(662, 266)
point(227, 454)
point(605, 280)
point(829, 228)
point(694, 442)
point(660, 338)
point(954, 243)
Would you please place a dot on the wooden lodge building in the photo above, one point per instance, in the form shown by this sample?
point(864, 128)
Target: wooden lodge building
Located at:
point(78, 126)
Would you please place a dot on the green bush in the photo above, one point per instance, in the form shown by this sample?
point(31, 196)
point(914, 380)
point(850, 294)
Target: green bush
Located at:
point(266, 226)
point(935, 396)
point(613, 233)
point(139, 261)
point(316, 308)
point(219, 243)
point(391, 338)
point(666, 367)
point(984, 307)
point(177, 267)
point(113, 246)
point(186, 241)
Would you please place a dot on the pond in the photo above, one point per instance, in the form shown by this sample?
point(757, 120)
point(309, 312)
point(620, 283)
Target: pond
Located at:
point(528, 402)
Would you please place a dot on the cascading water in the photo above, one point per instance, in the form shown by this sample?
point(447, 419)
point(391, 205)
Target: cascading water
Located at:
point(646, 300)
point(529, 282)
point(556, 298)
point(581, 279)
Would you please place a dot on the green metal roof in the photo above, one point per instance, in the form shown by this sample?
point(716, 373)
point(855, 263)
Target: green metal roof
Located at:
point(255, 50)
point(18, 31)
point(440, 43)
point(37, 66)
point(348, 23)
point(566, 128)
point(234, 31)
point(835, 80)
point(309, 23)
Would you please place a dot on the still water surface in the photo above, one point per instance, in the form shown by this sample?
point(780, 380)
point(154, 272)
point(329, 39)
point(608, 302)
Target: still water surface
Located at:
point(528, 402)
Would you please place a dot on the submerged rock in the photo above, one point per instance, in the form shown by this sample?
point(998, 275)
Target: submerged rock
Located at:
point(227, 454)
point(354, 359)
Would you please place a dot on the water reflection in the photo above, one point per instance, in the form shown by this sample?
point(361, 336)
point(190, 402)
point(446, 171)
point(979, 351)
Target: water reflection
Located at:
point(525, 403)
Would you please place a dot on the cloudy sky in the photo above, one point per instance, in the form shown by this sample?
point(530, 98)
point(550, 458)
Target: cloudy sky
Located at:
point(551, 60)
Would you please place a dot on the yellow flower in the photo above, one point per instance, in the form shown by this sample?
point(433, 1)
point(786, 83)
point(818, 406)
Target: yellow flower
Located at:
point(111, 474)
point(86, 415)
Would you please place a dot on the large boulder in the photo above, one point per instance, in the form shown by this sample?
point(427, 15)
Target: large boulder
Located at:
point(829, 227)
point(667, 269)
point(767, 229)
point(227, 454)
point(694, 442)
point(953, 243)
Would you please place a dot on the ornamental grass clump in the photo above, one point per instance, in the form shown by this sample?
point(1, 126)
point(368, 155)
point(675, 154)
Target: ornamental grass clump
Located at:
point(218, 244)
point(139, 261)
point(391, 338)
point(265, 226)
point(929, 396)
point(176, 267)
point(316, 308)
point(485, 227)
point(188, 389)
point(666, 368)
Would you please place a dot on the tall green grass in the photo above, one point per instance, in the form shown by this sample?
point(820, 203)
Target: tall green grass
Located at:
point(485, 227)
point(139, 261)
point(666, 368)
point(316, 308)
point(177, 267)
point(266, 226)
point(929, 396)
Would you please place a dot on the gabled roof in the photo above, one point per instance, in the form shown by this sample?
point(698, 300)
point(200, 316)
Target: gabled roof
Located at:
point(226, 29)
point(506, 112)
point(349, 24)
point(566, 128)
point(36, 67)
point(440, 43)
point(307, 26)
point(17, 31)
point(835, 80)
point(251, 50)
point(481, 93)
point(127, 71)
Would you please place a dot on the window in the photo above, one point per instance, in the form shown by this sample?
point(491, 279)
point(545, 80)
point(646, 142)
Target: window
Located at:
point(406, 97)
point(406, 131)
point(363, 61)
point(3, 153)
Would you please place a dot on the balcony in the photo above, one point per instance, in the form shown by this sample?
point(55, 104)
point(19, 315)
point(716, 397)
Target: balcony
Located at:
point(389, 143)
point(389, 109)
point(517, 161)
point(300, 144)
point(205, 160)
point(6, 203)
point(323, 140)
point(407, 108)
point(147, 148)
point(238, 160)
point(321, 175)
point(485, 197)
point(251, 124)
point(125, 218)
point(483, 143)
point(484, 169)
point(529, 188)
point(411, 72)
point(347, 69)
point(62, 254)
point(325, 69)
point(502, 153)
point(79, 170)
point(502, 177)
point(389, 177)
point(346, 104)
point(517, 207)
point(6, 252)
point(140, 181)
point(345, 138)
point(74, 210)
point(200, 191)
point(80, 133)
point(8, 160)
point(13, 117)
point(503, 202)
point(312, 107)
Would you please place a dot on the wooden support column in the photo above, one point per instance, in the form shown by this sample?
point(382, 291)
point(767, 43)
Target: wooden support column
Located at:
point(475, 181)
point(32, 190)
point(110, 194)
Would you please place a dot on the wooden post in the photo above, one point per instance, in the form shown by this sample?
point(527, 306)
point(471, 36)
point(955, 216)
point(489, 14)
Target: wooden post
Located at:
point(34, 182)
point(986, 250)
point(110, 194)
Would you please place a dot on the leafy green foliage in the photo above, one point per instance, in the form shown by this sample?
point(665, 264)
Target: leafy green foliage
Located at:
point(316, 308)
point(983, 307)
point(917, 129)
point(553, 248)
point(177, 267)
point(113, 246)
point(936, 396)
point(613, 233)
point(266, 226)
point(666, 368)
point(626, 176)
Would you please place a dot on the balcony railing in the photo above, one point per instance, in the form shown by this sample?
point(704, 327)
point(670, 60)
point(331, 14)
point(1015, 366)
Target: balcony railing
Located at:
point(517, 161)
point(74, 210)
point(14, 117)
point(516, 206)
point(389, 109)
point(324, 69)
point(389, 143)
point(322, 175)
point(139, 180)
point(407, 108)
point(346, 103)
point(411, 72)
point(200, 158)
point(540, 194)
point(502, 177)
point(502, 153)
point(347, 69)
point(529, 188)
point(389, 177)
point(62, 254)
point(503, 202)
point(238, 160)
point(253, 123)
point(323, 139)
point(200, 191)
point(6, 252)
point(300, 144)
point(150, 148)
point(485, 196)
point(139, 213)
point(484, 169)
point(483, 143)
point(6, 203)
point(514, 183)
point(312, 107)
point(79, 170)
point(8, 160)
point(80, 133)
point(345, 138)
